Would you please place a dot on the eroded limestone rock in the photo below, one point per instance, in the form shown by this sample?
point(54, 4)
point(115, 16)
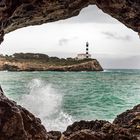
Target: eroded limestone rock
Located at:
point(16, 123)
point(126, 11)
point(97, 130)
point(130, 119)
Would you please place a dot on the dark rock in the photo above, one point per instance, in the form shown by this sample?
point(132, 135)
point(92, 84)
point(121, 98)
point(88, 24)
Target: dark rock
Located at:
point(1, 92)
point(86, 135)
point(126, 11)
point(130, 119)
point(16, 123)
point(97, 130)
point(54, 135)
point(9, 67)
point(91, 135)
point(90, 125)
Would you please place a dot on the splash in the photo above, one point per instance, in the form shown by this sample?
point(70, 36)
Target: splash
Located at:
point(46, 103)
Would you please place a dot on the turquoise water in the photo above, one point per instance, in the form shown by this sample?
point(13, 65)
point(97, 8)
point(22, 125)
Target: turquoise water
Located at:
point(60, 98)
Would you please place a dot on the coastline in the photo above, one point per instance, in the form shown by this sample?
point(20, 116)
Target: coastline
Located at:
point(42, 62)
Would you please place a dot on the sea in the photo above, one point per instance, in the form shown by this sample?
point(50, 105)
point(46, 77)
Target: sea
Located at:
point(61, 98)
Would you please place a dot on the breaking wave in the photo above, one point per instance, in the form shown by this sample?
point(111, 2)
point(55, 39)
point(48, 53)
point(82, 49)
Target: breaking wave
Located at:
point(46, 103)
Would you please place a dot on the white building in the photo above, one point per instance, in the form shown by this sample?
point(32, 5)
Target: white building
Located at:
point(83, 56)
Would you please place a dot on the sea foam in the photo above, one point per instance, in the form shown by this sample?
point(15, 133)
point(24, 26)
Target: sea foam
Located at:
point(46, 103)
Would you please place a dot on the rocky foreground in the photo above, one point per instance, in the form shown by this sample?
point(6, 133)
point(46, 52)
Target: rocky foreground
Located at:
point(17, 123)
point(42, 62)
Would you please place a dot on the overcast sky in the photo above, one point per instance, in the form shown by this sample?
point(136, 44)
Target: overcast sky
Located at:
point(112, 43)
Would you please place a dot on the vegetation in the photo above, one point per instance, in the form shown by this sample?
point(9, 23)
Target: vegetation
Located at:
point(41, 59)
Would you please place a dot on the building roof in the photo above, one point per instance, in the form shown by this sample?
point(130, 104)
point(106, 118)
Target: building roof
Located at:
point(83, 54)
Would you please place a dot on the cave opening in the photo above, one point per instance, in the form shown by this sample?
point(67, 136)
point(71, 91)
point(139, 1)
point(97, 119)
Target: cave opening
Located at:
point(59, 99)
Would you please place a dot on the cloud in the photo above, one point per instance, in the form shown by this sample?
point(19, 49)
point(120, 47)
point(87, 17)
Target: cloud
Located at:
point(65, 41)
point(115, 36)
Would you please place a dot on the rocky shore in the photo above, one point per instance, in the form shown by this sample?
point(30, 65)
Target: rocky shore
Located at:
point(17, 123)
point(42, 62)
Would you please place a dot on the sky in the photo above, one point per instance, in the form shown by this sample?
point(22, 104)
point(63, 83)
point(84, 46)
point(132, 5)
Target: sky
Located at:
point(110, 42)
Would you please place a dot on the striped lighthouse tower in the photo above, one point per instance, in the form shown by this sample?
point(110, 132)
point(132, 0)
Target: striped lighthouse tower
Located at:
point(87, 54)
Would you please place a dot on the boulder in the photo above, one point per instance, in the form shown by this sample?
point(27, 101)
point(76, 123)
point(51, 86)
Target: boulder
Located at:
point(16, 123)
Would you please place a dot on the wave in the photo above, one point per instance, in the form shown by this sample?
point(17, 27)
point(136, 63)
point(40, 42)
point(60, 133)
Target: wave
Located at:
point(46, 103)
point(121, 71)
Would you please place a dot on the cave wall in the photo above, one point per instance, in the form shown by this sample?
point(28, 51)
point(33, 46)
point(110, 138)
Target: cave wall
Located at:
point(16, 14)
point(126, 11)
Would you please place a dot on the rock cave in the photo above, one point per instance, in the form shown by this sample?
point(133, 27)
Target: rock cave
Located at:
point(16, 123)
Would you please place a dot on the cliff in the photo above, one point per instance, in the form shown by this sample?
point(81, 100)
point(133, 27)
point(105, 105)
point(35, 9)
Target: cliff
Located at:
point(41, 62)
point(19, 124)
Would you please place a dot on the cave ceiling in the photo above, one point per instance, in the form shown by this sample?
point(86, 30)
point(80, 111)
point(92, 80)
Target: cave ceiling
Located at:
point(15, 14)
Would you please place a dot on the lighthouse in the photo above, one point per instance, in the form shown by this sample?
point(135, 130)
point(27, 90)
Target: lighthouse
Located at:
point(87, 54)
